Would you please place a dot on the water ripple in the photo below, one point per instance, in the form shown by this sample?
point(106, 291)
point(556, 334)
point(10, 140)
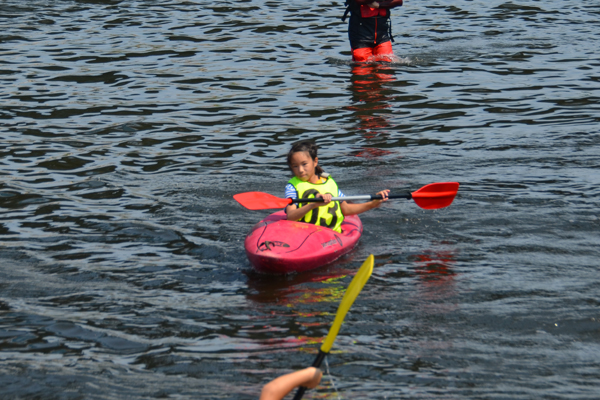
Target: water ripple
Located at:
point(128, 126)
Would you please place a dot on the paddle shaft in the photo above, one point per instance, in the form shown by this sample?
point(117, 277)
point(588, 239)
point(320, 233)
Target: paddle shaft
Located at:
point(407, 196)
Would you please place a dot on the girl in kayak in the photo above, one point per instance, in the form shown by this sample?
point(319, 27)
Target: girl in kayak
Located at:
point(311, 181)
point(369, 29)
point(278, 388)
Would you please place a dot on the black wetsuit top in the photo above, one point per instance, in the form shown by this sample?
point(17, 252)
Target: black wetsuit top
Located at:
point(367, 32)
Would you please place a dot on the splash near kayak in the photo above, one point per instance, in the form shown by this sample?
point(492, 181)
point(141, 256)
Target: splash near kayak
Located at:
point(278, 246)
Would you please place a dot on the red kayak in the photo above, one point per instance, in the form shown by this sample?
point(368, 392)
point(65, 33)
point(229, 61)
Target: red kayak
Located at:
point(278, 246)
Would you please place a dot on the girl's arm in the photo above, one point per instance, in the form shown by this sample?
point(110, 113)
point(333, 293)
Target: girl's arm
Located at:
point(353, 209)
point(278, 388)
point(294, 213)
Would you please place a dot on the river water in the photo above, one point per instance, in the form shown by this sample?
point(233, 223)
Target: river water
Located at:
point(127, 126)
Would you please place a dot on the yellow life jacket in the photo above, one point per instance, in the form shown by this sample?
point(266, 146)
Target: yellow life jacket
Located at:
point(330, 216)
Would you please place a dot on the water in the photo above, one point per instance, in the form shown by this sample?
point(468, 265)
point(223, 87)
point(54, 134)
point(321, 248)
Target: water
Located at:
point(127, 127)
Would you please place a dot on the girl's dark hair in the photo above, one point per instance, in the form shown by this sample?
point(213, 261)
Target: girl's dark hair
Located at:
point(305, 146)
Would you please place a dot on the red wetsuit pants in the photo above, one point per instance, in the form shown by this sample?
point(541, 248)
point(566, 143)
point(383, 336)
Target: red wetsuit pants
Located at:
point(381, 52)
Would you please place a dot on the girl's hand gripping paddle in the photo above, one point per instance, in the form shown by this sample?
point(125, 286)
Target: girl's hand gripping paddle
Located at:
point(358, 282)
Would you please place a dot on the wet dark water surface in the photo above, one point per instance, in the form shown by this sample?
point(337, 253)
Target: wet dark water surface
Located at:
point(127, 126)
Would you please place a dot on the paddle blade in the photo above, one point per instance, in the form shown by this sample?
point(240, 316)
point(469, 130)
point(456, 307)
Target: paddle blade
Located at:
point(358, 282)
point(260, 201)
point(436, 195)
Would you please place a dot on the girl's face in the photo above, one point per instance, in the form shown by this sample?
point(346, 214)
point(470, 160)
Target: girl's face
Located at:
point(303, 166)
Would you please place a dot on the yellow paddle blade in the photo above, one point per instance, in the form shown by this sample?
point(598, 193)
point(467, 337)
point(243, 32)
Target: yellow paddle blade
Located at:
point(358, 282)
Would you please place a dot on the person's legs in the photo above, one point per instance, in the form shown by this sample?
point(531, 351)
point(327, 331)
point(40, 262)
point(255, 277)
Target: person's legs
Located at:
point(384, 52)
point(363, 54)
point(381, 52)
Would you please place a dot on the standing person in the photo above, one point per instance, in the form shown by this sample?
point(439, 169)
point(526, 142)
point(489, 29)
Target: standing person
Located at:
point(369, 29)
point(310, 180)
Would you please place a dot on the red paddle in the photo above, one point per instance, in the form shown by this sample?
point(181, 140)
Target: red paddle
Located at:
point(429, 197)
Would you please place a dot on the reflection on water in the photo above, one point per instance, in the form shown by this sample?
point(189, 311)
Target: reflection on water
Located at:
point(371, 101)
point(302, 296)
point(435, 269)
point(435, 298)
